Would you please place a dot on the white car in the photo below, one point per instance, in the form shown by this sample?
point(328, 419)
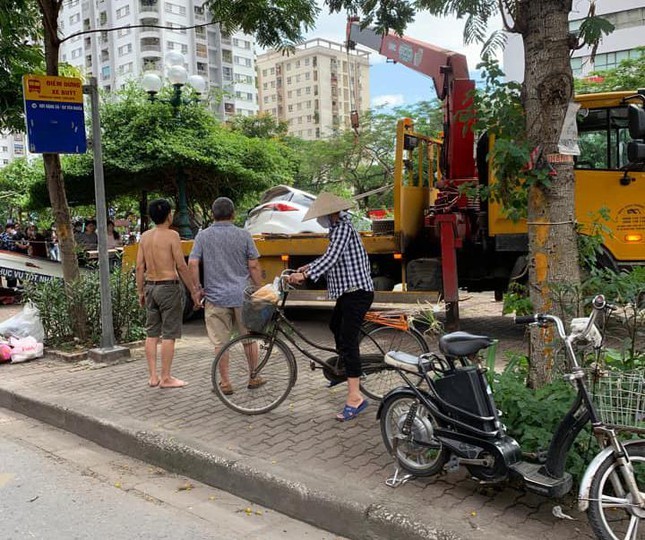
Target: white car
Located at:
point(281, 210)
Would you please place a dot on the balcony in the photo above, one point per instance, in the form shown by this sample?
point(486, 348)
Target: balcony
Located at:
point(150, 45)
point(150, 64)
point(149, 7)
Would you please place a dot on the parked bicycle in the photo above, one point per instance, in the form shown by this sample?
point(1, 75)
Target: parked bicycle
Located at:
point(263, 355)
point(454, 421)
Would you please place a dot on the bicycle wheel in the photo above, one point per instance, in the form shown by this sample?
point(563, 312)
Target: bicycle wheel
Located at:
point(612, 513)
point(419, 453)
point(379, 378)
point(253, 374)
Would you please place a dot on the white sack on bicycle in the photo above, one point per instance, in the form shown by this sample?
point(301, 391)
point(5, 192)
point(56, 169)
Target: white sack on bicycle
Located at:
point(267, 293)
point(578, 327)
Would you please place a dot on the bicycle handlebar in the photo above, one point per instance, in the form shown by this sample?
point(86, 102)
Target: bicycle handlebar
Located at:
point(598, 303)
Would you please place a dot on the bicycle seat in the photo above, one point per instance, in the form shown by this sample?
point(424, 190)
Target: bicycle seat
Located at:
point(404, 361)
point(463, 343)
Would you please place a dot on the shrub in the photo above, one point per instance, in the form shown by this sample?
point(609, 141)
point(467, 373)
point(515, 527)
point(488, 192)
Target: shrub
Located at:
point(57, 302)
point(532, 416)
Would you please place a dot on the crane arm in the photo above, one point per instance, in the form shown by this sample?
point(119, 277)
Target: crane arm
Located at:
point(441, 65)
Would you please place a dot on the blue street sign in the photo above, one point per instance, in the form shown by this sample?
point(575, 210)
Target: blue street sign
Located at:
point(54, 114)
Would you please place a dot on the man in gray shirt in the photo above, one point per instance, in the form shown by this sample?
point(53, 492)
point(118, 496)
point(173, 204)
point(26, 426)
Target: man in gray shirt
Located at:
point(230, 261)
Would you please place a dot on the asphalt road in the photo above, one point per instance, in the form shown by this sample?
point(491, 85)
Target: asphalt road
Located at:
point(54, 485)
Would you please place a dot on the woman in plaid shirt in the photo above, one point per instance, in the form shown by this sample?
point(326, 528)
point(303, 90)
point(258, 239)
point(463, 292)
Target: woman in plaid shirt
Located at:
point(347, 268)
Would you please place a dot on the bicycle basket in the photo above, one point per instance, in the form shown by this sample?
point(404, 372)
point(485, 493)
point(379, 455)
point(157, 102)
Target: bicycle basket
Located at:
point(619, 397)
point(256, 313)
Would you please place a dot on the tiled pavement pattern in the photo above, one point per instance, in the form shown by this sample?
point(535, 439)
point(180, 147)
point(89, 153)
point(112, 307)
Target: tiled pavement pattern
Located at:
point(303, 436)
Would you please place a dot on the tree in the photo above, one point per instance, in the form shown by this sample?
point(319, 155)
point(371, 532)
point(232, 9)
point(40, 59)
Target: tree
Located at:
point(628, 75)
point(362, 161)
point(19, 55)
point(146, 145)
point(16, 180)
point(546, 93)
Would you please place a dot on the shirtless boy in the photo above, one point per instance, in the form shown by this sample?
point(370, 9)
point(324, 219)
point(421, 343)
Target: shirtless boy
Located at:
point(159, 260)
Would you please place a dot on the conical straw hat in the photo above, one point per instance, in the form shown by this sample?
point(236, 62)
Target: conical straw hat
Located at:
point(325, 204)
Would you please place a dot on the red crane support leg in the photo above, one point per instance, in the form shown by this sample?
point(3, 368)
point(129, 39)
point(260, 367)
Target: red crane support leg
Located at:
point(449, 244)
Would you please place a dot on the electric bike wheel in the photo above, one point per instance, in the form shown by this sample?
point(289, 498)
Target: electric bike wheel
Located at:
point(611, 513)
point(253, 374)
point(378, 377)
point(419, 453)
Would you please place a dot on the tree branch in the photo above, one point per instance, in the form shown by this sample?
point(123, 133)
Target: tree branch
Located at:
point(503, 6)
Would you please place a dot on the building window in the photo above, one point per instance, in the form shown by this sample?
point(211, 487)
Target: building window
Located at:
point(227, 56)
point(272, 71)
point(308, 90)
point(297, 78)
point(105, 72)
point(308, 104)
point(264, 72)
point(290, 108)
point(199, 10)
point(123, 12)
point(266, 99)
point(289, 94)
point(201, 50)
point(298, 92)
point(76, 18)
point(227, 73)
point(265, 86)
point(123, 32)
point(307, 76)
point(306, 61)
point(125, 49)
point(169, 7)
point(242, 61)
point(184, 48)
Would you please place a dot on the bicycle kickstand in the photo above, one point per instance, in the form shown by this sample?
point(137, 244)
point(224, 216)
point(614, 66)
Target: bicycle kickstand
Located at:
point(397, 479)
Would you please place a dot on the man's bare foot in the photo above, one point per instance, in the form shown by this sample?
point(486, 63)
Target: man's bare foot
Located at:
point(172, 382)
point(154, 382)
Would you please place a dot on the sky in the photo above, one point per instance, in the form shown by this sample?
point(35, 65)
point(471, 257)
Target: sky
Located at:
point(394, 84)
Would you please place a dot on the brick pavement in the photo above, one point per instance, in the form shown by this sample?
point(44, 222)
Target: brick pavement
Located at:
point(302, 435)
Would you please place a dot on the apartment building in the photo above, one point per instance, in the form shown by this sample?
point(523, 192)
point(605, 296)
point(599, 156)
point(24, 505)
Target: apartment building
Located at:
point(314, 89)
point(114, 57)
point(12, 145)
point(628, 18)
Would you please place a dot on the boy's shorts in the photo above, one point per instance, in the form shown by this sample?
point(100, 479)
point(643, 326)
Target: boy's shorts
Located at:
point(164, 309)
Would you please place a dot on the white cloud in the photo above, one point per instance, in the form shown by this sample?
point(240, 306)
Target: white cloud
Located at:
point(389, 100)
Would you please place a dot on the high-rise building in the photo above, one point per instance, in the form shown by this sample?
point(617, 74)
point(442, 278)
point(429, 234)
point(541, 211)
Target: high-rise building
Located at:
point(315, 88)
point(12, 145)
point(116, 56)
point(628, 18)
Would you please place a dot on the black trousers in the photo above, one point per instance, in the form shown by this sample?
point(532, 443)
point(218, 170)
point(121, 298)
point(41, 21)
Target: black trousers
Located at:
point(346, 321)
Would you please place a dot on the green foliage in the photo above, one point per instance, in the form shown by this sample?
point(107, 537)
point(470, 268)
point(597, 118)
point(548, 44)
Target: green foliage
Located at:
point(590, 241)
point(626, 290)
point(19, 29)
point(516, 300)
point(262, 126)
point(532, 416)
point(57, 304)
point(356, 164)
point(275, 23)
point(16, 181)
point(628, 75)
point(146, 146)
point(498, 111)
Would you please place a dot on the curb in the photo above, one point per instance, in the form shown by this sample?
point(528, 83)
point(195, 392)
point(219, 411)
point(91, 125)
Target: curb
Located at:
point(329, 506)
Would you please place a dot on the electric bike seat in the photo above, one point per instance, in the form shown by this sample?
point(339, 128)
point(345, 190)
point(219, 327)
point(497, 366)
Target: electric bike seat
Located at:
point(401, 360)
point(463, 343)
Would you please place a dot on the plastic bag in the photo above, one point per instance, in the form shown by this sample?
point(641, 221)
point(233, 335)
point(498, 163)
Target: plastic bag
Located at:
point(26, 323)
point(267, 293)
point(25, 349)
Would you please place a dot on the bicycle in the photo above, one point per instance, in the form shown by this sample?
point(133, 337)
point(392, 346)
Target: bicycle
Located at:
point(455, 422)
point(261, 368)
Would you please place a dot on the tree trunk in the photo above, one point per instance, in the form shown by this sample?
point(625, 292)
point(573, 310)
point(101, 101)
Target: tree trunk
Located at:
point(54, 175)
point(547, 91)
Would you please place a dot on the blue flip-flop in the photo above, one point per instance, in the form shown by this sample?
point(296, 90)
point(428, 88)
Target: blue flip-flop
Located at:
point(349, 412)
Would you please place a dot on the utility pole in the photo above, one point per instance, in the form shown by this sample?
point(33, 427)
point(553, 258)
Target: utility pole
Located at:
point(108, 349)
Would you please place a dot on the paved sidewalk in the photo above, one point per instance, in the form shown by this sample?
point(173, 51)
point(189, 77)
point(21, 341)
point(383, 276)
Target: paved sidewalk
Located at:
point(297, 458)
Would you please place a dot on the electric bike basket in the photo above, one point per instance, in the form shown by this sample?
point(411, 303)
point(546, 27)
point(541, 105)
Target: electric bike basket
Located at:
point(619, 398)
point(466, 388)
point(257, 312)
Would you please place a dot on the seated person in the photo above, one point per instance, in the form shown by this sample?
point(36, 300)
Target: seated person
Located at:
point(88, 240)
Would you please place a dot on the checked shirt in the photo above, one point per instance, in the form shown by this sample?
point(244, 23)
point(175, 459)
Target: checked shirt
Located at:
point(345, 262)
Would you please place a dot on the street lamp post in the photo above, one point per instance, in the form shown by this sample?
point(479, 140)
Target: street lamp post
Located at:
point(177, 76)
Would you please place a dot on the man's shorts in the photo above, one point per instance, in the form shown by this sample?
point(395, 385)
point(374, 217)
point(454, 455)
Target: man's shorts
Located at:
point(164, 309)
point(220, 322)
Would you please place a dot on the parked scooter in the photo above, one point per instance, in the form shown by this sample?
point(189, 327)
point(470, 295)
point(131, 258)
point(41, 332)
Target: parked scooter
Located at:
point(446, 417)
